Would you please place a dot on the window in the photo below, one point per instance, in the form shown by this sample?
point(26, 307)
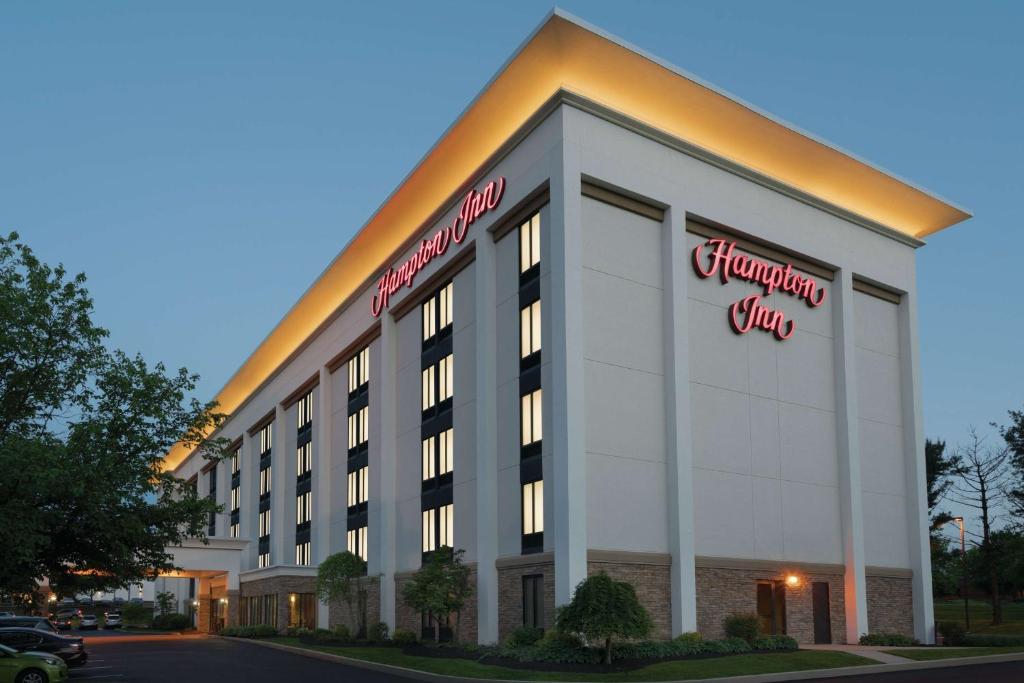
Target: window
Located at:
point(235, 498)
point(211, 527)
point(529, 243)
point(234, 462)
point(445, 377)
point(265, 479)
point(304, 410)
point(428, 388)
point(302, 610)
point(264, 560)
point(531, 418)
point(437, 312)
point(357, 542)
point(264, 523)
point(438, 454)
point(233, 530)
point(258, 609)
point(533, 600)
point(359, 370)
point(303, 508)
point(304, 459)
point(357, 487)
point(358, 427)
point(529, 327)
point(438, 528)
point(533, 507)
point(266, 439)
point(302, 554)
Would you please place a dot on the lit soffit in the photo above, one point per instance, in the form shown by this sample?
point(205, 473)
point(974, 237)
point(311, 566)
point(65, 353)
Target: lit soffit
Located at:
point(564, 53)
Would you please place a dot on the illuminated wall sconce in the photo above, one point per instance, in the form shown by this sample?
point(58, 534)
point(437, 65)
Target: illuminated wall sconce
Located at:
point(52, 598)
point(792, 580)
point(223, 601)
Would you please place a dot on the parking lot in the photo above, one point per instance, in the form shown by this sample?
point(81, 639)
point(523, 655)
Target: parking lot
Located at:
point(123, 656)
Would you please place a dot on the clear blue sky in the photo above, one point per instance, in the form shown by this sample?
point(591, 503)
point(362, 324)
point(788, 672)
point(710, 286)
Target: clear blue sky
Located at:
point(203, 162)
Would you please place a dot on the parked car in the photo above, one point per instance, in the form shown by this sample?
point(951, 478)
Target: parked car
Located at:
point(64, 621)
point(31, 667)
point(88, 622)
point(5, 615)
point(70, 649)
point(112, 620)
point(67, 602)
point(41, 623)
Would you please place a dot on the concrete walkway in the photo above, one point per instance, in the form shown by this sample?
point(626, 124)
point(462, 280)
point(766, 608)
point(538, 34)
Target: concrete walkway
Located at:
point(868, 652)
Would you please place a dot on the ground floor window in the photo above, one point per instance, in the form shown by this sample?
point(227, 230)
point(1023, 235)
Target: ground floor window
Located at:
point(258, 609)
point(533, 600)
point(771, 607)
point(302, 610)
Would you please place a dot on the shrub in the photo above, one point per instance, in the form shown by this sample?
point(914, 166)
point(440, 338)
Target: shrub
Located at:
point(559, 648)
point(952, 632)
point(377, 633)
point(603, 608)
point(992, 640)
point(172, 621)
point(403, 636)
point(772, 643)
point(256, 631)
point(745, 626)
point(133, 614)
point(887, 640)
point(341, 632)
point(525, 636)
point(729, 646)
point(689, 638)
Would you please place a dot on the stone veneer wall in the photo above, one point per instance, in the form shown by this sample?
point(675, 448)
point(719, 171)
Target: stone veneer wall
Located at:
point(281, 586)
point(724, 591)
point(651, 578)
point(890, 605)
point(510, 590)
point(410, 620)
point(339, 613)
point(233, 606)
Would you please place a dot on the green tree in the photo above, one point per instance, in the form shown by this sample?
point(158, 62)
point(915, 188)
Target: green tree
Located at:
point(938, 469)
point(602, 609)
point(341, 577)
point(83, 430)
point(1013, 434)
point(165, 602)
point(440, 588)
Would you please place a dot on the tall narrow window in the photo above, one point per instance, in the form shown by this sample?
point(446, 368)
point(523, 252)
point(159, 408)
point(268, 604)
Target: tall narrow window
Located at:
point(358, 452)
point(438, 314)
point(304, 459)
point(445, 451)
point(531, 418)
point(529, 243)
point(303, 508)
point(429, 397)
point(304, 410)
point(234, 511)
point(445, 378)
point(444, 307)
point(533, 600)
point(438, 528)
point(302, 553)
point(533, 507)
point(529, 327)
point(303, 478)
point(356, 542)
point(429, 459)
point(211, 529)
point(359, 370)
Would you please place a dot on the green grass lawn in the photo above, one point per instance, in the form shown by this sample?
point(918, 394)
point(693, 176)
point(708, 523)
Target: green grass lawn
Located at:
point(697, 669)
point(981, 615)
point(924, 654)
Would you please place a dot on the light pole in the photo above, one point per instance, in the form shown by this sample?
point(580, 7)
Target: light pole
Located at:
point(963, 573)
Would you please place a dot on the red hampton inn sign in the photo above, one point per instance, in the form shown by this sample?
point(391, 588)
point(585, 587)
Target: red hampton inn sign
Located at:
point(473, 206)
point(749, 312)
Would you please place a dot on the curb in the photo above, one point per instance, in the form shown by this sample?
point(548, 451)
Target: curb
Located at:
point(839, 672)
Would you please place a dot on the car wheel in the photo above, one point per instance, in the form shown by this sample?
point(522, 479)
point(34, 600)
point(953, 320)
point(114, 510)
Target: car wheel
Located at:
point(32, 676)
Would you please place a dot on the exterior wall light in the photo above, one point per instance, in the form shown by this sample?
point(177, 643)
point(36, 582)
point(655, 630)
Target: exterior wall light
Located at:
point(792, 580)
point(223, 601)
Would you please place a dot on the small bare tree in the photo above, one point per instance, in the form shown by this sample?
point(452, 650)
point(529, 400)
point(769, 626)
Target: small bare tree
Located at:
point(982, 478)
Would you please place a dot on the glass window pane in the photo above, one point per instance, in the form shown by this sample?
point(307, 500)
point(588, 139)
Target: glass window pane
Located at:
point(537, 419)
point(527, 509)
point(526, 417)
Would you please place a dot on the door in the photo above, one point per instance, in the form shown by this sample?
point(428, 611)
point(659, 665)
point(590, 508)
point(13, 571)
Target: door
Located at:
point(771, 607)
point(822, 613)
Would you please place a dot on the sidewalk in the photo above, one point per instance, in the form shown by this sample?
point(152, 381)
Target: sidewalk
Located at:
point(868, 652)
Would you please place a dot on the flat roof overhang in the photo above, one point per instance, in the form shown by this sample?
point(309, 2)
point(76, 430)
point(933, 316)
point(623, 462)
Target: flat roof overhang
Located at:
point(566, 54)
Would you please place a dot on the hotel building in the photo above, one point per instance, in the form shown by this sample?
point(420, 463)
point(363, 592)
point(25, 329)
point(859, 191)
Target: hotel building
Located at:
point(615, 320)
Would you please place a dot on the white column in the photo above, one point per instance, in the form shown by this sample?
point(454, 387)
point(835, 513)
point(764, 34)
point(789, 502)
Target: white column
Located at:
point(279, 486)
point(563, 409)
point(248, 507)
point(322, 458)
point(847, 439)
point(678, 443)
point(486, 440)
point(223, 518)
point(383, 534)
point(917, 490)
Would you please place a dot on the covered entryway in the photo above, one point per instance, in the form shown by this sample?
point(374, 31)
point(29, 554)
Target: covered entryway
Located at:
point(215, 566)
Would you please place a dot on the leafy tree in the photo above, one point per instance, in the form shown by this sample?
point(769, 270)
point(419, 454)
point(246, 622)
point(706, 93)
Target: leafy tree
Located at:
point(340, 577)
point(602, 609)
point(938, 468)
point(1013, 434)
point(440, 588)
point(83, 430)
point(165, 602)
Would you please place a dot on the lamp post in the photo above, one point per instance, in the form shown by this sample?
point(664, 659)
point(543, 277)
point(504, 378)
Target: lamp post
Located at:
point(963, 573)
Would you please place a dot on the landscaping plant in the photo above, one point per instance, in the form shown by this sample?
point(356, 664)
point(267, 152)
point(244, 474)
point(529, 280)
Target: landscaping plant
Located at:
point(742, 625)
point(440, 588)
point(603, 608)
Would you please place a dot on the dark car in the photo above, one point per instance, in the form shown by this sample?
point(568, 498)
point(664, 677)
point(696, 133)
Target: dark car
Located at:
point(41, 623)
point(68, 648)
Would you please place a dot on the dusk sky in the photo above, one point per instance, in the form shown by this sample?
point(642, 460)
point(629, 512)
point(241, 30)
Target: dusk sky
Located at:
point(203, 162)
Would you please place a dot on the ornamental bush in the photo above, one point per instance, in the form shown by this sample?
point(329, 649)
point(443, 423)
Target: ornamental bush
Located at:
point(953, 632)
point(377, 633)
point(603, 608)
point(729, 646)
point(403, 636)
point(525, 636)
point(342, 633)
point(742, 625)
point(172, 622)
point(887, 640)
point(774, 643)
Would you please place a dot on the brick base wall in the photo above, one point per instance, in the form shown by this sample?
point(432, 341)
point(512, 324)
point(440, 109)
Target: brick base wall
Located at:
point(722, 592)
point(890, 605)
point(653, 586)
point(233, 606)
point(339, 613)
point(510, 595)
point(281, 586)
